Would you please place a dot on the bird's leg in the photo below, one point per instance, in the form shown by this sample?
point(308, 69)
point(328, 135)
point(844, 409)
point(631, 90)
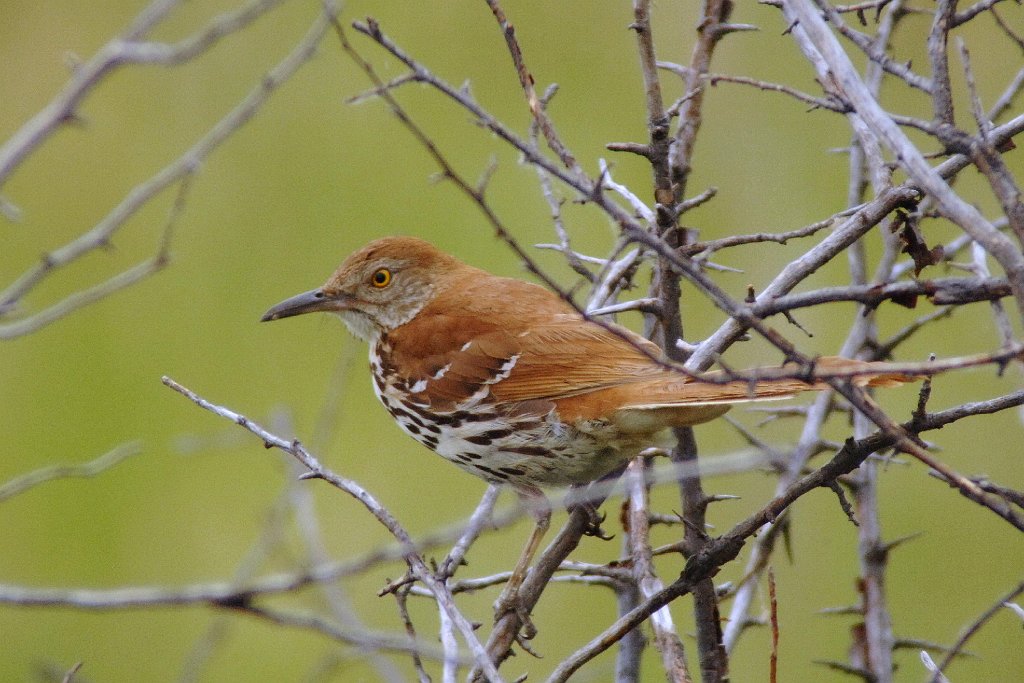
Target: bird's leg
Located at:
point(509, 601)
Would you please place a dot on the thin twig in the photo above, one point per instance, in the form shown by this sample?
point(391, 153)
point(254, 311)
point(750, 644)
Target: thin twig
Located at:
point(952, 206)
point(177, 172)
point(724, 548)
point(972, 628)
point(773, 612)
point(667, 641)
point(124, 50)
point(85, 470)
point(423, 573)
point(537, 110)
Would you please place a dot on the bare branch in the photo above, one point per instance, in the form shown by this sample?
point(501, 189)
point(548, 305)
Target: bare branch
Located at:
point(123, 50)
point(85, 470)
point(480, 517)
point(974, 10)
point(974, 627)
point(83, 298)
point(815, 102)
point(929, 179)
point(537, 110)
point(178, 171)
point(724, 548)
point(941, 291)
point(773, 605)
point(1006, 99)
point(942, 96)
point(423, 573)
point(696, 249)
point(1017, 39)
point(666, 639)
point(874, 52)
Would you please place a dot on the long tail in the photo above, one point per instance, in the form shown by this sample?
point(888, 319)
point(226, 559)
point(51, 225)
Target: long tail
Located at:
point(681, 402)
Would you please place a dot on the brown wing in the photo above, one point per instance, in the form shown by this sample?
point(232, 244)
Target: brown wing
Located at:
point(521, 344)
point(516, 341)
point(555, 360)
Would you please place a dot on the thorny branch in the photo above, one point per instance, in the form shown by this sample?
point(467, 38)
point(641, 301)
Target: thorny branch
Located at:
point(318, 471)
point(865, 217)
point(671, 159)
point(722, 549)
point(128, 50)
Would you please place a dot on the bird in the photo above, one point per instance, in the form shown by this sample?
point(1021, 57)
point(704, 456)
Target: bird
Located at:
point(508, 381)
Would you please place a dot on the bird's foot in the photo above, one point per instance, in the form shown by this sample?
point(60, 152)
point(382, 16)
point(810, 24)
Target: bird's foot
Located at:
point(509, 603)
point(594, 519)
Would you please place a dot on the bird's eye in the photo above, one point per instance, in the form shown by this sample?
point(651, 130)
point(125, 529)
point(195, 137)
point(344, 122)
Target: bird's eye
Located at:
point(381, 278)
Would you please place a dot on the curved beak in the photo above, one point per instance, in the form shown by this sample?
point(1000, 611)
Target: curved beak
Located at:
point(307, 302)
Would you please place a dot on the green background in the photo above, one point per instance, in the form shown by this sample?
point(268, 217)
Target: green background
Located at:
point(275, 209)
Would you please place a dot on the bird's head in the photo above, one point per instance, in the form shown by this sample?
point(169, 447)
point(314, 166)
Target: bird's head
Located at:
point(378, 288)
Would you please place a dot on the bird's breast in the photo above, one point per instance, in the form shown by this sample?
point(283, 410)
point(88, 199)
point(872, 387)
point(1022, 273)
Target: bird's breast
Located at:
point(525, 445)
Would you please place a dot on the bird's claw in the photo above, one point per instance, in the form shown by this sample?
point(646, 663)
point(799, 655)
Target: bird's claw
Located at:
point(593, 522)
point(508, 602)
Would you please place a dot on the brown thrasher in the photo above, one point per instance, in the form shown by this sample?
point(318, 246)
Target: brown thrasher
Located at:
point(507, 380)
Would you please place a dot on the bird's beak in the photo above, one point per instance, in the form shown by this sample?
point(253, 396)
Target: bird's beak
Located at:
point(307, 302)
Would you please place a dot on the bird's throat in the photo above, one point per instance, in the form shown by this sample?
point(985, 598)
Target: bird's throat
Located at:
point(360, 325)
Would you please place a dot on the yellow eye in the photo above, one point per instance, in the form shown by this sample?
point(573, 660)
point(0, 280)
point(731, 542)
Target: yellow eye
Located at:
point(381, 278)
